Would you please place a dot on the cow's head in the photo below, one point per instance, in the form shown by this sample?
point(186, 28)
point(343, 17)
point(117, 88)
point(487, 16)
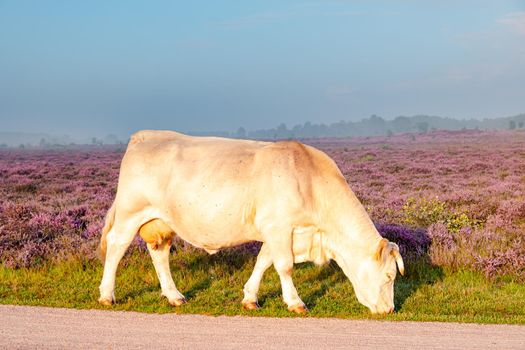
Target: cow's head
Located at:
point(374, 278)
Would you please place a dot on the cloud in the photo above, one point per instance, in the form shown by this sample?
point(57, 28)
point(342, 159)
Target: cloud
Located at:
point(515, 21)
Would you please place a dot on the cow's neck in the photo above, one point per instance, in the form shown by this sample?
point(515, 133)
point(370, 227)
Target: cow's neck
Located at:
point(353, 237)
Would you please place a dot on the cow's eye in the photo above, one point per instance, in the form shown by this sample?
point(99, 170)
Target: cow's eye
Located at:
point(390, 276)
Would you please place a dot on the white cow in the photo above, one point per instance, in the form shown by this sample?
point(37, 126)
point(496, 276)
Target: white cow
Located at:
point(216, 193)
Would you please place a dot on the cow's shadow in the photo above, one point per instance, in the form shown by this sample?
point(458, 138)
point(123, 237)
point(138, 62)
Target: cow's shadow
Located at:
point(324, 278)
point(137, 292)
point(228, 261)
point(419, 273)
point(243, 257)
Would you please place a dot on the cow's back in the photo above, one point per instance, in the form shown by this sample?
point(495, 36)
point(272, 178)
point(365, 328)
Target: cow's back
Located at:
point(163, 156)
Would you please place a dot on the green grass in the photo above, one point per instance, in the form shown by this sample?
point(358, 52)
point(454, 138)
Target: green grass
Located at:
point(213, 286)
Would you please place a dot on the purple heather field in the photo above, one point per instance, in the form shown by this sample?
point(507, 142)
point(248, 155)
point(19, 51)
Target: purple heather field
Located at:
point(455, 199)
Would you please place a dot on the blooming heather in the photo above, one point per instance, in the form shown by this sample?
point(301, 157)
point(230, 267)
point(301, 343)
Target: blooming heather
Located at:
point(455, 197)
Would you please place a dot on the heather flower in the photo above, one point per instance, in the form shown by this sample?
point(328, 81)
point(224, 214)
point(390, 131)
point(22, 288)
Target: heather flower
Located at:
point(456, 196)
point(413, 243)
point(441, 236)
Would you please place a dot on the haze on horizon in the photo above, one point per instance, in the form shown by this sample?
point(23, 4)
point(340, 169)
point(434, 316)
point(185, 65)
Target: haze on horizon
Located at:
point(98, 68)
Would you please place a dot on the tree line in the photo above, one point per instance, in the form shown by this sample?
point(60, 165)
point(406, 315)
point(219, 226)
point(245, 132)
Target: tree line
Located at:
point(376, 125)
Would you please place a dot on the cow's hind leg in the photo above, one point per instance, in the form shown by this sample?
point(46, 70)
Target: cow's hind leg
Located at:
point(251, 288)
point(280, 246)
point(160, 255)
point(118, 240)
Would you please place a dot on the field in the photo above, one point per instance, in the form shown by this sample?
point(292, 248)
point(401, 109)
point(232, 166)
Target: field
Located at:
point(453, 201)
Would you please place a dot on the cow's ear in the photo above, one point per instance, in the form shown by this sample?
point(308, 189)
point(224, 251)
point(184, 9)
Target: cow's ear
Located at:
point(399, 260)
point(381, 247)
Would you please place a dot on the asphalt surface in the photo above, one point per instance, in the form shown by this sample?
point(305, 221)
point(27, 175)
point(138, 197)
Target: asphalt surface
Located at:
point(23, 327)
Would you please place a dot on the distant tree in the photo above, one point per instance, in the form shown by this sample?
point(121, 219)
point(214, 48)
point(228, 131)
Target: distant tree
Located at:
point(111, 139)
point(298, 130)
point(43, 143)
point(389, 133)
point(402, 124)
point(241, 133)
point(422, 127)
point(282, 132)
point(376, 125)
point(308, 130)
point(520, 125)
point(512, 125)
point(3, 145)
point(96, 141)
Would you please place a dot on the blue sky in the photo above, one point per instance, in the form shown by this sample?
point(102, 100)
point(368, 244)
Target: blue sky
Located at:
point(99, 67)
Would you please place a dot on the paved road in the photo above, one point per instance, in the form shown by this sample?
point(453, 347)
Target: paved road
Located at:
point(24, 327)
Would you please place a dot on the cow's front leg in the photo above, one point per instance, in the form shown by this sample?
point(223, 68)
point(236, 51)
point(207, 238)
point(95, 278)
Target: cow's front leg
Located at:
point(284, 267)
point(161, 255)
point(251, 288)
point(280, 247)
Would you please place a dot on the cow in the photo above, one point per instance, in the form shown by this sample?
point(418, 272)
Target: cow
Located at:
point(217, 193)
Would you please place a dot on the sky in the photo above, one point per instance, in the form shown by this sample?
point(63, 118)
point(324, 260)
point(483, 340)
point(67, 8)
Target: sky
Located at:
point(99, 67)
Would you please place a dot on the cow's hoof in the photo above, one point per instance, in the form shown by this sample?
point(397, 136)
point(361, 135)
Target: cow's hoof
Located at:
point(250, 305)
point(177, 302)
point(298, 309)
point(105, 301)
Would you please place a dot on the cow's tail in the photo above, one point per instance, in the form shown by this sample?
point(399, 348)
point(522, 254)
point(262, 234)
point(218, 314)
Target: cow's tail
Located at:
point(108, 223)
